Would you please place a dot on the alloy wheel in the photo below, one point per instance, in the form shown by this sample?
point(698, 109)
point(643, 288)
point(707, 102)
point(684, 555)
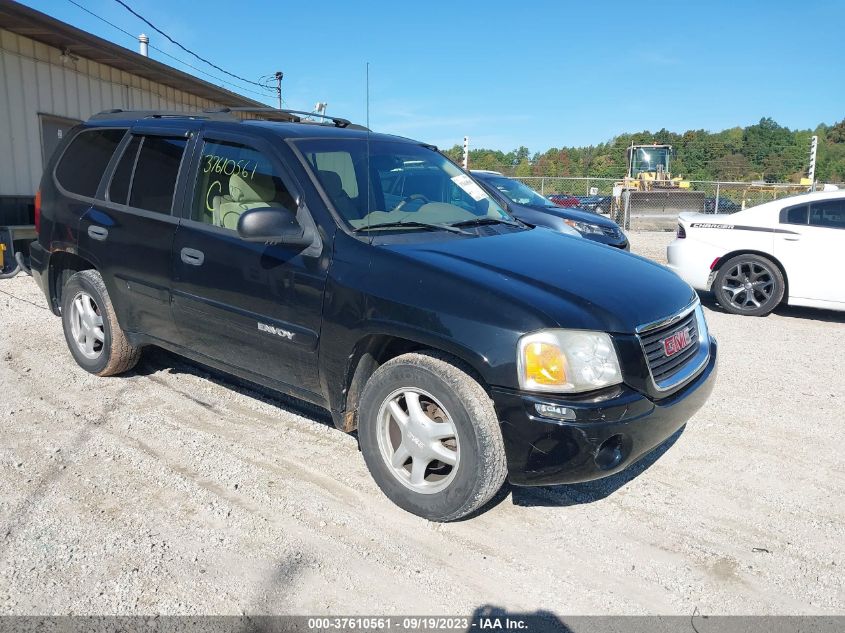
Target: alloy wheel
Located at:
point(748, 285)
point(86, 326)
point(418, 440)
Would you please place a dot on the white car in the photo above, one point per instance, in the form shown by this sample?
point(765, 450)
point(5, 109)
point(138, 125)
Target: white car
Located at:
point(790, 250)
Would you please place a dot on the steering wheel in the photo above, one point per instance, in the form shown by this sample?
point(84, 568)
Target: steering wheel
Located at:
point(413, 197)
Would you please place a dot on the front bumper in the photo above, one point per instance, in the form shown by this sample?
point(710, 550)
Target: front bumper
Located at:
point(607, 435)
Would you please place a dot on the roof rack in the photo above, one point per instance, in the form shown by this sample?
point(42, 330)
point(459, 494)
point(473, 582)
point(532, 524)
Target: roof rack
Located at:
point(117, 113)
point(294, 116)
point(227, 114)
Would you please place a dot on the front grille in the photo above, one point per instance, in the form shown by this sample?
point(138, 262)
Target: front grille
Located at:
point(664, 367)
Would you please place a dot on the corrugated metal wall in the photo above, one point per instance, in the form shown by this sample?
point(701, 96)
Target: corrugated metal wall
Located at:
point(34, 80)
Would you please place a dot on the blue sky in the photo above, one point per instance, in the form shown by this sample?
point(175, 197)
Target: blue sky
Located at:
point(540, 74)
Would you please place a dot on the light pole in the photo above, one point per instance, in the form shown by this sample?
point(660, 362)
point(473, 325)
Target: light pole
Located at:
point(814, 146)
point(279, 76)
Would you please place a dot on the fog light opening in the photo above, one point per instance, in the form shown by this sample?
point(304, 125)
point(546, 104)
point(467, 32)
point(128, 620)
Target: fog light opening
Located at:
point(611, 452)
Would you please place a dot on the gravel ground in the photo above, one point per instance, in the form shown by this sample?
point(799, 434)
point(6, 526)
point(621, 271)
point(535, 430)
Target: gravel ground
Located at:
point(170, 490)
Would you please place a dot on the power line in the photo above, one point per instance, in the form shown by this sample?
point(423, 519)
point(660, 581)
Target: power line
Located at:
point(166, 54)
point(187, 50)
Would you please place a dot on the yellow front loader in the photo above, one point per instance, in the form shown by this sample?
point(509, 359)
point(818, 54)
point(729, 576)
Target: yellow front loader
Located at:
point(649, 169)
point(650, 191)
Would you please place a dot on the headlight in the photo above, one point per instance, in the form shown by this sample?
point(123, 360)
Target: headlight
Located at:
point(567, 361)
point(585, 227)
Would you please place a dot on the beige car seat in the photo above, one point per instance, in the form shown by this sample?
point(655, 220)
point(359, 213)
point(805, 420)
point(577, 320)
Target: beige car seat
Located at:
point(244, 194)
point(333, 186)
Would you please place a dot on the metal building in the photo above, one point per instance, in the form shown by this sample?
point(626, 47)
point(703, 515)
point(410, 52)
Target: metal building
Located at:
point(53, 75)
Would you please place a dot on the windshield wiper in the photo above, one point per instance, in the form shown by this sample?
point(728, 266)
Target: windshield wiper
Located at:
point(416, 224)
point(483, 220)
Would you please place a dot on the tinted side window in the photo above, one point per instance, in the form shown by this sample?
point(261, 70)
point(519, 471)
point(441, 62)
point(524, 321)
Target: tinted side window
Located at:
point(83, 163)
point(794, 215)
point(232, 179)
point(156, 171)
point(830, 213)
point(122, 178)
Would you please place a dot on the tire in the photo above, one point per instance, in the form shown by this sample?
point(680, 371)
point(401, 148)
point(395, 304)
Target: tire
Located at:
point(751, 285)
point(93, 335)
point(459, 424)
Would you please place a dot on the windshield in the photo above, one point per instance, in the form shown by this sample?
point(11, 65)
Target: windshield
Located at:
point(518, 192)
point(649, 159)
point(397, 183)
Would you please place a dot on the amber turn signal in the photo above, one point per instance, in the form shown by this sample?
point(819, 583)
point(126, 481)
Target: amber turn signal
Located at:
point(544, 364)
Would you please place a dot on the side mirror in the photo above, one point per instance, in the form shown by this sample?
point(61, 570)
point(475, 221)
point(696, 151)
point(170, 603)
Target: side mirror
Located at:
point(273, 224)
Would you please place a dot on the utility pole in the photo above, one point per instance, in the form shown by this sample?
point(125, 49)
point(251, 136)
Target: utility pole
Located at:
point(466, 152)
point(814, 146)
point(279, 76)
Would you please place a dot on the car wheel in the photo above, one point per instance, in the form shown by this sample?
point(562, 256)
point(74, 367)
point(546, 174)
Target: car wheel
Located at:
point(430, 436)
point(92, 332)
point(750, 285)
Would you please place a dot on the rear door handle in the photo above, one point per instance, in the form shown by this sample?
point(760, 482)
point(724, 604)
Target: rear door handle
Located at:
point(98, 233)
point(793, 238)
point(192, 256)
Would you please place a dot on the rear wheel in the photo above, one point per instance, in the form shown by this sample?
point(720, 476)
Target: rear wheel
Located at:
point(750, 285)
point(430, 437)
point(92, 332)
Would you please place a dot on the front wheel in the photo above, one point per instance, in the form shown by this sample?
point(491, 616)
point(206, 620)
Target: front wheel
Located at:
point(749, 284)
point(430, 437)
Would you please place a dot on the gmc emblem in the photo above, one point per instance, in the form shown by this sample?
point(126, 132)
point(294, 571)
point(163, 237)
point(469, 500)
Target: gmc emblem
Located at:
point(675, 343)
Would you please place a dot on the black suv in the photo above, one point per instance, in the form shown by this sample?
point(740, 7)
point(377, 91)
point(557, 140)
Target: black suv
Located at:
point(464, 346)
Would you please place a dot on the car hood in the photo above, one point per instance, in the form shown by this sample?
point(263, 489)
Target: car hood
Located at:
point(570, 282)
point(573, 213)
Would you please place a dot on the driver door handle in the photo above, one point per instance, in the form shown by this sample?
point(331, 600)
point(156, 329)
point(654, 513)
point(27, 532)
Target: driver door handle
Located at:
point(192, 256)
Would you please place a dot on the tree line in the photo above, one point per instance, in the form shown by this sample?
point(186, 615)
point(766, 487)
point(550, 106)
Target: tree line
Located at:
point(764, 151)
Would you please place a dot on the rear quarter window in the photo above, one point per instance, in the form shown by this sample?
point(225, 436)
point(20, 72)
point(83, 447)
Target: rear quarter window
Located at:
point(794, 215)
point(81, 167)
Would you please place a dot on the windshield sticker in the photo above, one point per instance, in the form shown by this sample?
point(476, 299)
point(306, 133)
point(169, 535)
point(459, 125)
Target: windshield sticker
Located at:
point(466, 183)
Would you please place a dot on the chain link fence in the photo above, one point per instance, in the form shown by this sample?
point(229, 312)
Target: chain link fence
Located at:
point(659, 209)
point(574, 186)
